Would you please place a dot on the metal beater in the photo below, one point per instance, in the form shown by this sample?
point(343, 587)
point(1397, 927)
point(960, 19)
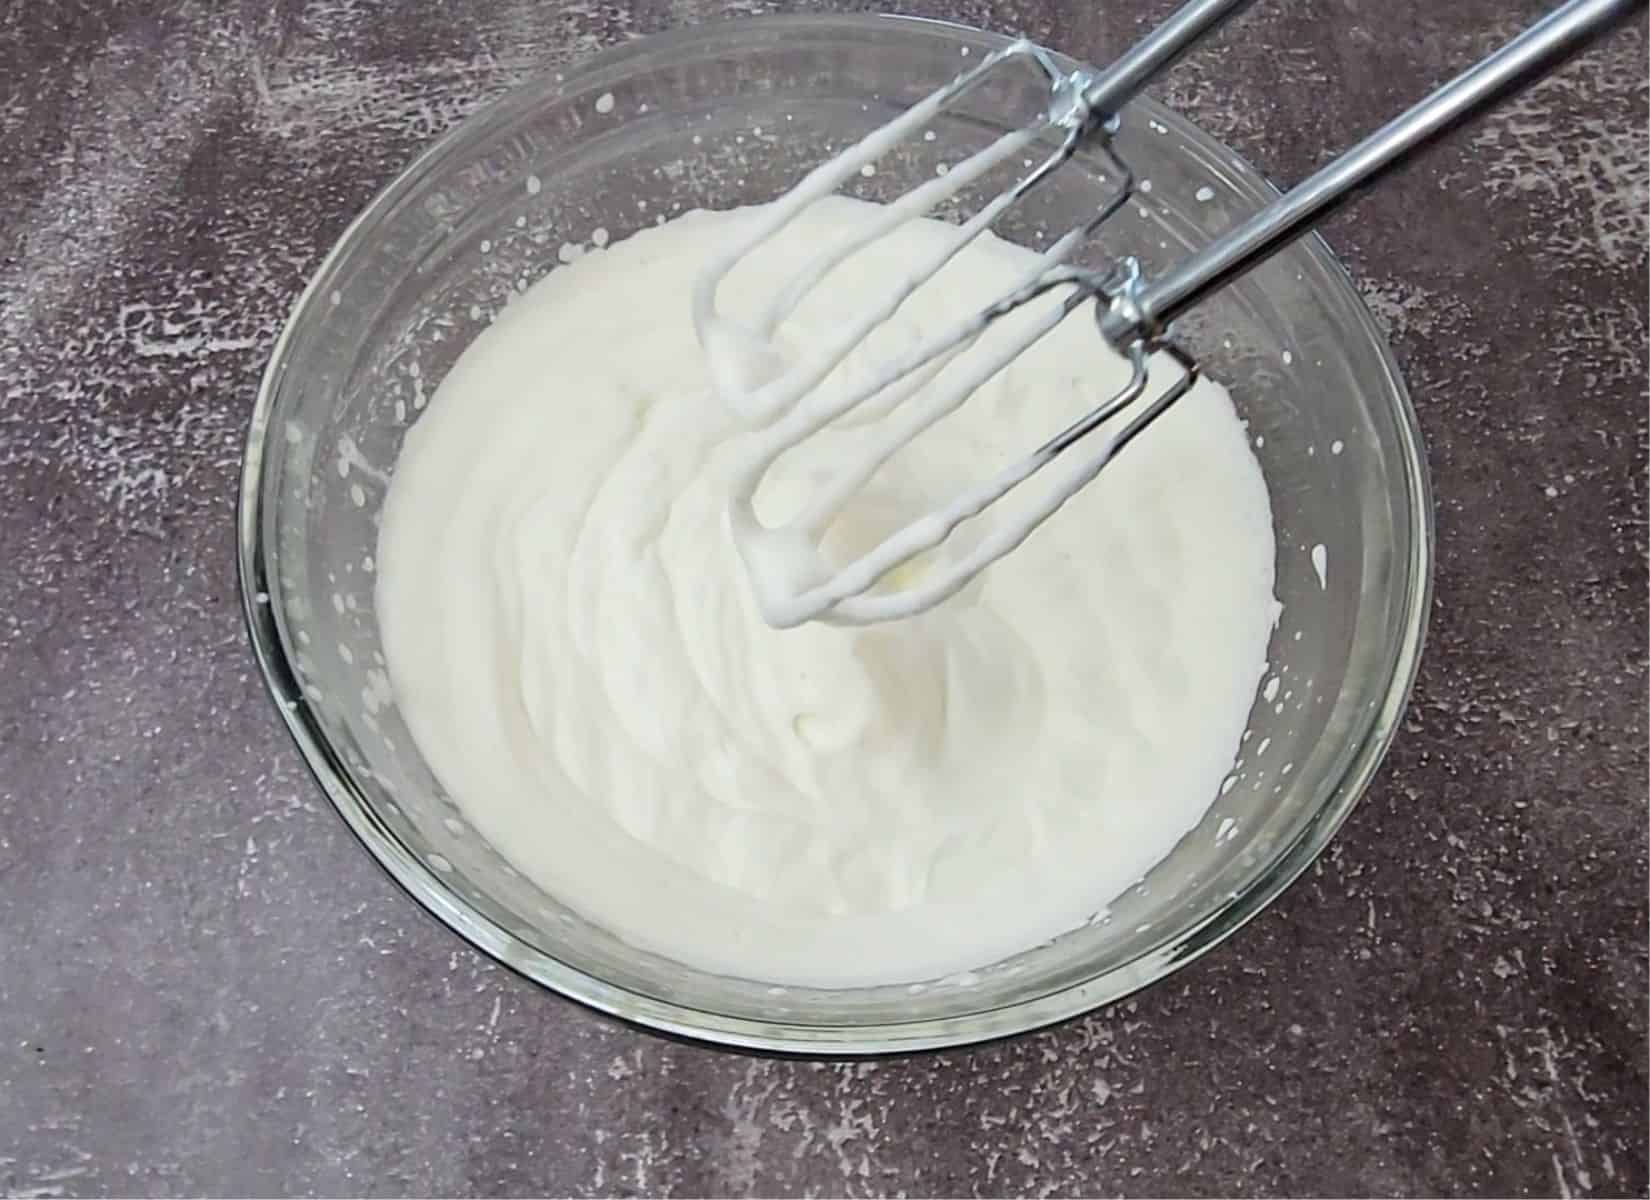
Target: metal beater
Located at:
point(1133, 312)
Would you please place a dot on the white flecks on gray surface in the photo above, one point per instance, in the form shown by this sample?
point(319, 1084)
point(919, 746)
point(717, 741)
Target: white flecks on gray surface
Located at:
point(224, 996)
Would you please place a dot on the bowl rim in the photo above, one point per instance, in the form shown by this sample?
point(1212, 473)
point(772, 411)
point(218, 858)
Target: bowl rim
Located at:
point(435, 896)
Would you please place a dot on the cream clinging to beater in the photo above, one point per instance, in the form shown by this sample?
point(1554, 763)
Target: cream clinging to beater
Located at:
point(791, 576)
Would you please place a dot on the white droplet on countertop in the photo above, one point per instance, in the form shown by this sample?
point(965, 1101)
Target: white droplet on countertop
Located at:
point(1320, 564)
point(604, 103)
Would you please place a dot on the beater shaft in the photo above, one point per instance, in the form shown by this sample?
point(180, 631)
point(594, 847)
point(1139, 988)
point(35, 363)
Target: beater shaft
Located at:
point(1529, 57)
point(1105, 94)
point(925, 383)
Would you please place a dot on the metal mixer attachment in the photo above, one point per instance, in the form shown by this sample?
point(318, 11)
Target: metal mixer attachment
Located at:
point(1133, 312)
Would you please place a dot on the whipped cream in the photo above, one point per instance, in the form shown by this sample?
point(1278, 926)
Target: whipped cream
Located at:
point(573, 645)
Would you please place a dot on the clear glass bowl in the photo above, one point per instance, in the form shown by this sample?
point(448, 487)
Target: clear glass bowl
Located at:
point(730, 114)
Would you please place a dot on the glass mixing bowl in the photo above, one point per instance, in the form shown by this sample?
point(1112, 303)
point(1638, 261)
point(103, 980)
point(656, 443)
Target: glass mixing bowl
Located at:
point(730, 114)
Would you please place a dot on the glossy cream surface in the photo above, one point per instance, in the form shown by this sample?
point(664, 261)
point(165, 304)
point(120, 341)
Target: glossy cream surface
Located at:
point(574, 644)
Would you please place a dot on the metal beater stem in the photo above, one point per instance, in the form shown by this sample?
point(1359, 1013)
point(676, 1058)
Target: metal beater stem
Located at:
point(1539, 50)
point(1156, 52)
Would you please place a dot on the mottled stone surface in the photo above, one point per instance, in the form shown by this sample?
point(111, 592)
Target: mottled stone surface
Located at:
point(206, 986)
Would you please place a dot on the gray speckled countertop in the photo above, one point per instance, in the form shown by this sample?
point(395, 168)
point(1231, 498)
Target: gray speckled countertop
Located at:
point(206, 986)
